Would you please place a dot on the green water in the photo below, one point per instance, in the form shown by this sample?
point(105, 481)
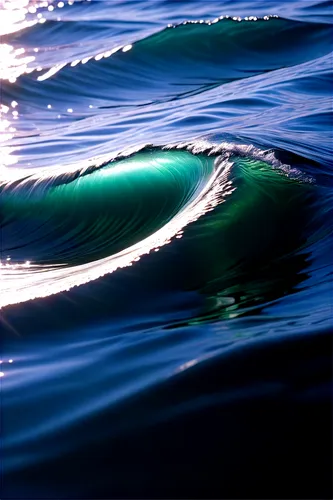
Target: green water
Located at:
point(116, 206)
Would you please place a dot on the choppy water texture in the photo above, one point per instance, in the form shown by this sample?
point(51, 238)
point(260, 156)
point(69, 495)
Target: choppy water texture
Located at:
point(166, 249)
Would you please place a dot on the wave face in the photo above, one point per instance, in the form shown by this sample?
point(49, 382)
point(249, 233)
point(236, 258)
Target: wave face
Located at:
point(166, 244)
point(66, 228)
point(96, 214)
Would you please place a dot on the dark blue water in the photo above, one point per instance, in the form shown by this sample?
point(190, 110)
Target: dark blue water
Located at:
point(166, 249)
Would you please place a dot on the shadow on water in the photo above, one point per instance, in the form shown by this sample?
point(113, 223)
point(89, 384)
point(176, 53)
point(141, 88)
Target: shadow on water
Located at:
point(204, 369)
point(229, 427)
point(219, 425)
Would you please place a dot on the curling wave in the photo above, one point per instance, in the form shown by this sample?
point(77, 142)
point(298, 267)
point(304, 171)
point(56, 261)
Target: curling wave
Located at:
point(65, 228)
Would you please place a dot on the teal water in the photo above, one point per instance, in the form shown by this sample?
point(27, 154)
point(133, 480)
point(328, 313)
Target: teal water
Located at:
point(166, 244)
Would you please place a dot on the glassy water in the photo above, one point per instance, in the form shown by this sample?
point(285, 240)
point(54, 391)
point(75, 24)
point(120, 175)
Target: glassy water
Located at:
point(166, 249)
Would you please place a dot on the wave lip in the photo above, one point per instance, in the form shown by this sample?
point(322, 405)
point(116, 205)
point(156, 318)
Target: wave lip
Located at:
point(90, 224)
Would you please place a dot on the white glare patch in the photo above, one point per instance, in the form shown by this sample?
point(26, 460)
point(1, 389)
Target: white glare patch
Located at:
point(13, 16)
point(51, 72)
point(110, 52)
point(12, 65)
point(127, 48)
point(187, 365)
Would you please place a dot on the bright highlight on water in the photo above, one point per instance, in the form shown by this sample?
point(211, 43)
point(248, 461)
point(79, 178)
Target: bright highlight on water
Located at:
point(166, 239)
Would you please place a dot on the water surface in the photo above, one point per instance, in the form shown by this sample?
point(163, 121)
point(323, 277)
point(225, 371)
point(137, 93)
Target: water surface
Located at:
point(166, 249)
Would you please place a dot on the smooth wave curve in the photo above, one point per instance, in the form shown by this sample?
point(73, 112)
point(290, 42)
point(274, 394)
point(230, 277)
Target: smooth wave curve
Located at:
point(64, 229)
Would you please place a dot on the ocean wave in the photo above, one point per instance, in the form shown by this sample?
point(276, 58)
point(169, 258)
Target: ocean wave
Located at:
point(64, 228)
point(166, 241)
point(166, 63)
